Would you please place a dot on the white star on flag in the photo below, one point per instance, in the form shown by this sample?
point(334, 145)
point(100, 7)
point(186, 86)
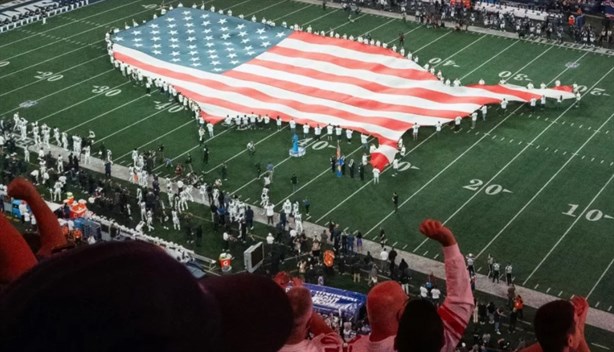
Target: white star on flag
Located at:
point(194, 59)
point(119, 39)
point(155, 39)
point(155, 32)
point(170, 19)
point(172, 25)
point(176, 59)
point(157, 46)
point(192, 46)
point(175, 53)
point(157, 52)
point(174, 40)
point(153, 25)
point(215, 63)
point(173, 32)
point(189, 25)
point(231, 55)
point(206, 23)
point(265, 44)
point(242, 34)
point(208, 45)
point(213, 56)
point(245, 41)
point(207, 31)
point(174, 46)
point(190, 31)
point(260, 31)
point(204, 16)
point(225, 36)
point(222, 21)
point(136, 32)
point(193, 52)
point(241, 26)
point(191, 39)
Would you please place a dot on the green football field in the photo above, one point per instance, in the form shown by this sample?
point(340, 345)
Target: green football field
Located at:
point(531, 188)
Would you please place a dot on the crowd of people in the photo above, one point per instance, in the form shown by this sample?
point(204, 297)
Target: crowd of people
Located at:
point(557, 19)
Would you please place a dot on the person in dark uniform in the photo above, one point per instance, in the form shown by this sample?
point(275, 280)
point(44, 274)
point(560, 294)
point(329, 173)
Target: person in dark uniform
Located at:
point(395, 201)
point(333, 163)
point(352, 167)
point(361, 172)
point(205, 155)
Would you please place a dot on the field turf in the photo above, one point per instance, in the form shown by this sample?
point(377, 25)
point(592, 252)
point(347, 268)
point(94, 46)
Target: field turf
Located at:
point(532, 188)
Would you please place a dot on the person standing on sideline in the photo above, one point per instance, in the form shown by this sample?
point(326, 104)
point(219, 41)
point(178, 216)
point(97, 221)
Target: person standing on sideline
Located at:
point(511, 295)
point(305, 131)
point(395, 167)
point(395, 201)
point(294, 182)
point(269, 170)
point(457, 123)
point(376, 173)
point(206, 155)
point(495, 271)
point(317, 132)
point(508, 274)
point(329, 132)
point(270, 211)
point(484, 110)
point(474, 118)
point(438, 127)
point(491, 260)
point(352, 167)
point(333, 163)
point(470, 264)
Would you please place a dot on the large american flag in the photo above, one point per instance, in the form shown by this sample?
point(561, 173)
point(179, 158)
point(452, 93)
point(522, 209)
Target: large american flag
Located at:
point(233, 66)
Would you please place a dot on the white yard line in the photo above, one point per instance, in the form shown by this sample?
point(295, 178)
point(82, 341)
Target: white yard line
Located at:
point(266, 8)
point(105, 113)
point(63, 25)
point(489, 60)
point(77, 103)
point(600, 278)
point(245, 150)
point(63, 89)
point(315, 178)
point(77, 34)
point(276, 165)
point(460, 50)
point(42, 62)
point(42, 80)
point(129, 126)
point(320, 17)
point(580, 216)
point(380, 26)
point(157, 138)
point(433, 41)
point(191, 149)
point(544, 186)
point(370, 181)
point(513, 112)
point(235, 5)
point(406, 33)
point(292, 13)
point(454, 161)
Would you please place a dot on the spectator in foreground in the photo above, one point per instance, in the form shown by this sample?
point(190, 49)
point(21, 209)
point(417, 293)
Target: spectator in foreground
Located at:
point(385, 304)
point(559, 327)
point(132, 295)
point(422, 328)
point(307, 321)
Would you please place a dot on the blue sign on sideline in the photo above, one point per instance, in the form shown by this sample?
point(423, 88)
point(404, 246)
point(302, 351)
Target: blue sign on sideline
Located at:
point(328, 300)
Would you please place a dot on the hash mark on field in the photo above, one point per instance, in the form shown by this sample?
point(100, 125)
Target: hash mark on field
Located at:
point(494, 136)
point(597, 304)
point(592, 159)
point(562, 123)
point(394, 244)
point(601, 161)
point(564, 153)
point(502, 138)
point(580, 126)
point(520, 142)
point(538, 117)
point(546, 149)
point(572, 124)
point(480, 268)
point(345, 229)
point(437, 256)
point(375, 237)
point(425, 253)
point(572, 296)
point(609, 309)
point(583, 156)
point(536, 286)
point(247, 199)
point(511, 140)
point(548, 290)
point(405, 246)
point(537, 147)
point(556, 150)
point(560, 293)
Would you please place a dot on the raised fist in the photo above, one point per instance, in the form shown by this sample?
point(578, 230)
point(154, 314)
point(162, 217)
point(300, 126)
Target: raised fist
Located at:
point(435, 230)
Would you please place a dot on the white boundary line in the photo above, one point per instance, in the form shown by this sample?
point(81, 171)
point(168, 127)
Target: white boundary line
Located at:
point(268, 7)
point(130, 125)
point(546, 184)
point(580, 216)
point(157, 138)
point(324, 15)
point(381, 25)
